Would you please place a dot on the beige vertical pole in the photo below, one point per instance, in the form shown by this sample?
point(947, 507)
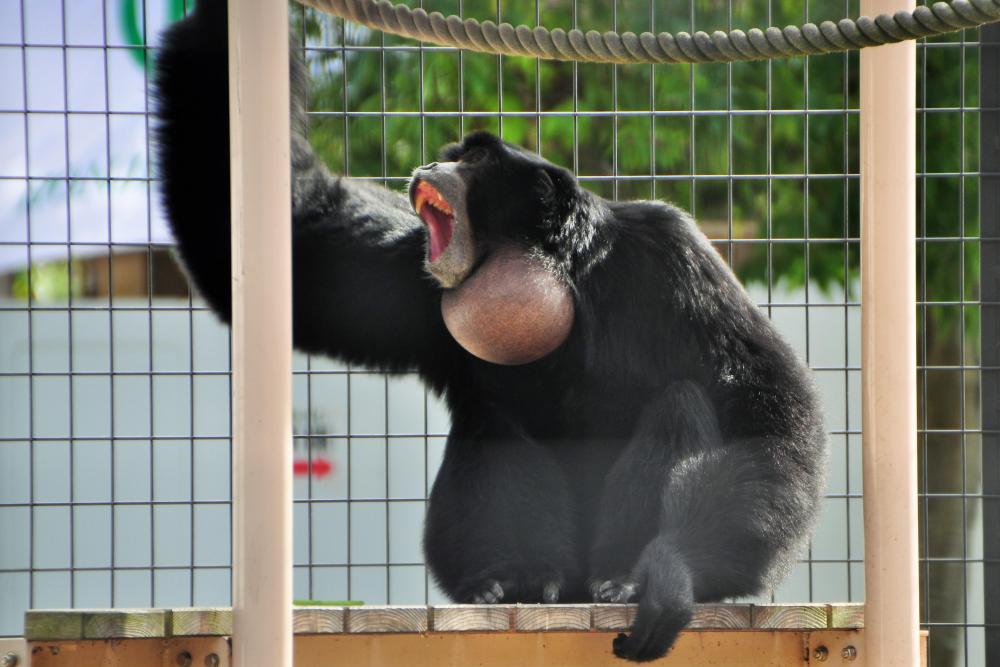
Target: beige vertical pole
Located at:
point(262, 333)
point(889, 347)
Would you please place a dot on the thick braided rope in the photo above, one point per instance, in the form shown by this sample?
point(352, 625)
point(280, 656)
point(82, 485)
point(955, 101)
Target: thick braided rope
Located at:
point(701, 47)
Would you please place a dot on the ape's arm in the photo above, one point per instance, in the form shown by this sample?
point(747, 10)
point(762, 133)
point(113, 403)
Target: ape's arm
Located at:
point(359, 288)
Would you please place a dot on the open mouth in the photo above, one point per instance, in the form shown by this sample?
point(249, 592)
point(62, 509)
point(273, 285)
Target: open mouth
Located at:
point(437, 214)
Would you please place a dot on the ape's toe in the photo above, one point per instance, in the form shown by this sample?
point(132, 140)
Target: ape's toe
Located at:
point(492, 593)
point(614, 591)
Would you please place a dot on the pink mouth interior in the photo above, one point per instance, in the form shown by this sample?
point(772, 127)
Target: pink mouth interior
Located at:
point(440, 226)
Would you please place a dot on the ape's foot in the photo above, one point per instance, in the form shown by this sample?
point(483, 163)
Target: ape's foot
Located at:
point(547, 589)
point(613, 590)
point(550, 592)
point(492, 593)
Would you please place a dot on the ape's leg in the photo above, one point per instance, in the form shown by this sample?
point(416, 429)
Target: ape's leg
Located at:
point(680, 421)
point(501, 525)
point(728, 513)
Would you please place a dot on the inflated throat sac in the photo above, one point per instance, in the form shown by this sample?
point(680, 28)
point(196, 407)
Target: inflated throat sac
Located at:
point(512, 310)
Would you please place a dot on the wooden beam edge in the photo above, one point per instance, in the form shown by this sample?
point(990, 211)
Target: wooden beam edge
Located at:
point(74, 624)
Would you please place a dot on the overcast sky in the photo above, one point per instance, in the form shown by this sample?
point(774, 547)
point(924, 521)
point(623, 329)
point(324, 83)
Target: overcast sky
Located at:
point(68, 132)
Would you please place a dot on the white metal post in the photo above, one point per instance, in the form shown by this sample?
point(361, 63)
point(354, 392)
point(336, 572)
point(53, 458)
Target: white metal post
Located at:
point(262, 333)
point(889, 346)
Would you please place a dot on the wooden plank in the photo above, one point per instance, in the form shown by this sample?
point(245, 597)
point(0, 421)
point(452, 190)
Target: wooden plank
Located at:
point(789, 616)
point(847, 616)
point(704, 648)
point(612, 616)
point(721, 617)
point(729, 648)
point(14, 650)
point(706, 616)
point(317, 620)
point(217, 621)
point(470, 617)
point(201, 621)
point(547, 617)
point(377, 618)
point(829, 646)
point(53, 624)
point(132, 652)
point(122, 623)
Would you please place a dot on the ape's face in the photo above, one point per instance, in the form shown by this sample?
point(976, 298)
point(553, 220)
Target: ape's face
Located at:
point(482, 195)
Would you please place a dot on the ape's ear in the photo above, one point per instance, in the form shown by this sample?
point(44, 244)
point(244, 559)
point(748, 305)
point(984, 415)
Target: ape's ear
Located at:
point(557, 193)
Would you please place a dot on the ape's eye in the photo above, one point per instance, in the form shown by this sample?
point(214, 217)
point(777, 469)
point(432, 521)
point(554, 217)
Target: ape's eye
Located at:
point(473, 154)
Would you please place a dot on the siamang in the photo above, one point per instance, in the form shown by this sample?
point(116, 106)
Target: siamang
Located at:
point(653, 439)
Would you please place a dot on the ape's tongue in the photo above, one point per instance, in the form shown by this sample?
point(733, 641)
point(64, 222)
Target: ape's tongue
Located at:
point(440, 226)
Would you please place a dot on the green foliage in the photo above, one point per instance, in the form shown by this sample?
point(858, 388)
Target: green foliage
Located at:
point(757, 151)
point(47, 282)
point(405, 104)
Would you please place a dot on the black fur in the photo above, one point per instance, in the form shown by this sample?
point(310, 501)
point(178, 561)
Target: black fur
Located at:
point(670, 451)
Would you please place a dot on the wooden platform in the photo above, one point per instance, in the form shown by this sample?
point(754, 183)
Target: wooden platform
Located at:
point(473, 635)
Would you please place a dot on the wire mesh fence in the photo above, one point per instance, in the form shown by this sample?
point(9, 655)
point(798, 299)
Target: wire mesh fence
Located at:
point(114, 377)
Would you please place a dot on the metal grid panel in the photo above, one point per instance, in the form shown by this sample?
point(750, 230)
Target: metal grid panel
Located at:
point(108, 404)
point(989, 197)
point(709, 104)
point(949, 350)
point(114, 381)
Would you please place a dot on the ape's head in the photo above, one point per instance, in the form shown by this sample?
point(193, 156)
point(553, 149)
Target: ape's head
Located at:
point(490, 208)
point(485, 194)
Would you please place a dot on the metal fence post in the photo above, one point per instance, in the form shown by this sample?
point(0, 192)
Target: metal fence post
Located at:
point(888, 335)
point(262, 333)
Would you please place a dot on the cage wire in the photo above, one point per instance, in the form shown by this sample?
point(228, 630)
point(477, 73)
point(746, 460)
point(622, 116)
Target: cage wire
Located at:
point(114, 377)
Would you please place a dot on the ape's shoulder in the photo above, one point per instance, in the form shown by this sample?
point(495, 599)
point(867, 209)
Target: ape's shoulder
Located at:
point(662, 244)
point(655, 221)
